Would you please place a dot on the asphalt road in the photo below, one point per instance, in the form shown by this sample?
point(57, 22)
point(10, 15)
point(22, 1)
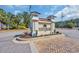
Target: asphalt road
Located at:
point(72, 33)
point(8, 46)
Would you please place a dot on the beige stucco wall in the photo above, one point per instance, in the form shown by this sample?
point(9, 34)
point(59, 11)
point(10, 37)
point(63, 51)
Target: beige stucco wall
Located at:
point(41, 30)
point(44, 32)
point(52, 27)
point(41, 25)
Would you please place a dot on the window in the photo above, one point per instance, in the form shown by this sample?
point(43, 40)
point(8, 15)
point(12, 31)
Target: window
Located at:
point(44, 25)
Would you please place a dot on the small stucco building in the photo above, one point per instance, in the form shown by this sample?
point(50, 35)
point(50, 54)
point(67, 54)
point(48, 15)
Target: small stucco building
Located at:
point(42, 26)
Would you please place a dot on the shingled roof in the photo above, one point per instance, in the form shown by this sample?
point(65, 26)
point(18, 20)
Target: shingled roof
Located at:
point(42, 20)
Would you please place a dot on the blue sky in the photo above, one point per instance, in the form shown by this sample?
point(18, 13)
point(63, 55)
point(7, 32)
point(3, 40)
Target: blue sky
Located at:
point(45, 10)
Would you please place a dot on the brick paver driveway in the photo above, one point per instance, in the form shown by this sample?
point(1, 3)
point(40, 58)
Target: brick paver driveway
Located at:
point(56, 44)
point(7, 46)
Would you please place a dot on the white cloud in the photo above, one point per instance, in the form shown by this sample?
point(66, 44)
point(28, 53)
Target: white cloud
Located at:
point(65, 11)
point(69, 12)
point(72, 16)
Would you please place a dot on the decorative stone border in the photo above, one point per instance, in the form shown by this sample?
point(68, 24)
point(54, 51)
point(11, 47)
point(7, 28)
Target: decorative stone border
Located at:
point(16, 41)
point(28, 40)
point(32, 45)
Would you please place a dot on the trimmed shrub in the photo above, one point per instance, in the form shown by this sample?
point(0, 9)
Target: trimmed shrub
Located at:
point(70, 25)
point(21, 27)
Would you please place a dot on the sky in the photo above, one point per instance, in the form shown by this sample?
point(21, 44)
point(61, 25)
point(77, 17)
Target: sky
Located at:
point(69, 11)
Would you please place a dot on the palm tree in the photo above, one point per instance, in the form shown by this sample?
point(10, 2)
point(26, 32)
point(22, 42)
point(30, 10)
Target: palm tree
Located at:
point(62, 17)
point(26, 18)
point(9, 17)
point(17, 19)
point(2, 16)
point(13, 21)
point(51, 17)
point(30, 21)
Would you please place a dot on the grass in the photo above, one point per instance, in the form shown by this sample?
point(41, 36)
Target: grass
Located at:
point(15, 30)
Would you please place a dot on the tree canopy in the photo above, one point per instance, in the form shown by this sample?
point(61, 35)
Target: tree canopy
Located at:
point(20, 20)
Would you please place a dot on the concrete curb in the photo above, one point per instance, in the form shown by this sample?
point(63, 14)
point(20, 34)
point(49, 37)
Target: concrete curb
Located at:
point(22, 42)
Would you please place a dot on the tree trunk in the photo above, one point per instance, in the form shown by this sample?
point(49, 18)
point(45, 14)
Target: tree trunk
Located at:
point(0, 25)
point(8, 27)
point(17, 26)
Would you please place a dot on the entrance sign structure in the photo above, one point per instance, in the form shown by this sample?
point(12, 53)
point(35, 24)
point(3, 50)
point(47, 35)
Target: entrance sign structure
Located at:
point(41, 26)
